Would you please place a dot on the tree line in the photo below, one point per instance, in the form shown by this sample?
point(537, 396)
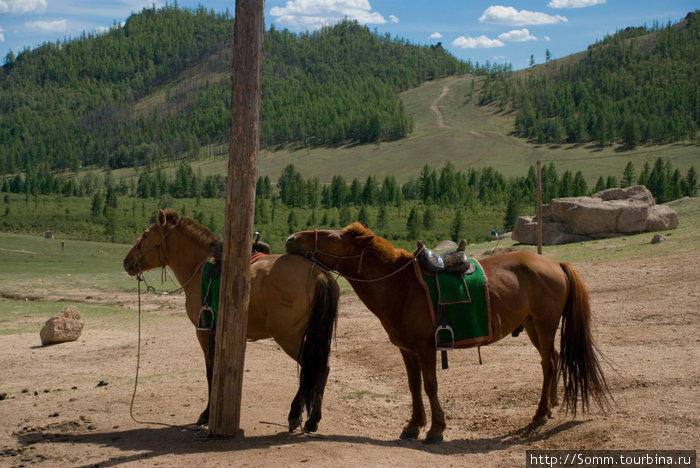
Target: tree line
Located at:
point(431, 188)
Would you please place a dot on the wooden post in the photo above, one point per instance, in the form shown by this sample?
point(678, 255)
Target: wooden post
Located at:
point(227, 384)
point(539, 207)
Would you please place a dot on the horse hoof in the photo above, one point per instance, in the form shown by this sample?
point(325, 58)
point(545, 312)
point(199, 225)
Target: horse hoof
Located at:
point(408, 434)
point(537, 422)
point(310, 426)
point(434, 439)
point(294, 424)
point(202, 421)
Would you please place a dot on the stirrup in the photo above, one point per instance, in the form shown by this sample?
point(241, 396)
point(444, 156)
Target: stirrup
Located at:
point(205, 327)
point(451, 346)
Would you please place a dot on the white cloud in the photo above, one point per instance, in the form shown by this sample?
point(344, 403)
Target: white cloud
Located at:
point(435, 35)
point(481, 42)
point(21, 7)
point(313, 14)
point(517, 35)
point(2, 36)
point(498, 14)
point(49, 26)
point(574, 3)
point(393, 19)
point(547, 38)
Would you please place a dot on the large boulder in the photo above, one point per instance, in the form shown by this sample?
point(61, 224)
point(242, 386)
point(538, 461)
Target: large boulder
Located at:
point(609, 213)
point(65, 326)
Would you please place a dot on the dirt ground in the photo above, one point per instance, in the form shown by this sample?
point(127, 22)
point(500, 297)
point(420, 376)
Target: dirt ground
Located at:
point(69, 404)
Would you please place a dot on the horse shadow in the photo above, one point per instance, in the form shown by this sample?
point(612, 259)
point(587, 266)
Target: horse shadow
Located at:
point(141, 444)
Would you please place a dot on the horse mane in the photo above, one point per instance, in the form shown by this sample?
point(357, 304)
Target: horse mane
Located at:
point(379, 246)
point(191, 228)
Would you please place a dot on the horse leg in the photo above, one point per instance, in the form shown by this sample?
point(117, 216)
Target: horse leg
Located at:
point(207, 342)
point(553, 397)
point(311, 424)
point(412, 429)
point(294, 417)
point(430, 384)
point(543, 340)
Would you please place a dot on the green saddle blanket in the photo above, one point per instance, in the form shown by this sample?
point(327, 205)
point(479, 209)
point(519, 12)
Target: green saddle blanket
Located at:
point(211, 282)
point(465, 303)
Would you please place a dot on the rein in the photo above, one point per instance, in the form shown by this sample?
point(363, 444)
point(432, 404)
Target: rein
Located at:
point(312, 257)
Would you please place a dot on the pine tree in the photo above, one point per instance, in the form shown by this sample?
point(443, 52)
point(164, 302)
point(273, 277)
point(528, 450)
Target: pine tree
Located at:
point(690, 183)
point(363, 215)
point(413, 224)
point(456, 228)
point(627, 175)
point(428, 218)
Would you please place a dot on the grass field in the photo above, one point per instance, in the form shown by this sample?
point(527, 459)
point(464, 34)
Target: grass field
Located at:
point(36, 272)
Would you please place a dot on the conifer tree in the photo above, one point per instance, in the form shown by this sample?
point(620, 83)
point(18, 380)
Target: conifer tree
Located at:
point(628, 175)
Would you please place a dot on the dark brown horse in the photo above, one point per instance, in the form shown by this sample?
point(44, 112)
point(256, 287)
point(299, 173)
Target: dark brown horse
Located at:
point(521, 284)
point(291, 300)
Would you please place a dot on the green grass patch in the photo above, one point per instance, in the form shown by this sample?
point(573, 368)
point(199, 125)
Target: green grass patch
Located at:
point(20, 316)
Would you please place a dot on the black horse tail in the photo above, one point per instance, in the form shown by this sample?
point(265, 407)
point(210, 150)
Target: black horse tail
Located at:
point(316, 345)
point(582, 373)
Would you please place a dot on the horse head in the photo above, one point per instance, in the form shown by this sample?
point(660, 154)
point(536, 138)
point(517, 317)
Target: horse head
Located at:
point(343, 249)
point(149, 251)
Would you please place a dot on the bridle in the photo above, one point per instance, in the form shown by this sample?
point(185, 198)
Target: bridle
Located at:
point(163, 259)
point(311, 256)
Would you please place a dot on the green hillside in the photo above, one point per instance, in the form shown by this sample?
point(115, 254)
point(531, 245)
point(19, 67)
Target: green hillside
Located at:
point(638, 86)
point(158, 89)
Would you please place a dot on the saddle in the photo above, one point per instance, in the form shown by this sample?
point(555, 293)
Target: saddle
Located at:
point(217, 249)
point(455, 261)
point(210, 282)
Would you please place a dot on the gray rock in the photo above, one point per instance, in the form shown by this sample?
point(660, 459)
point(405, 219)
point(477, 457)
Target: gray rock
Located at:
point(609, 213)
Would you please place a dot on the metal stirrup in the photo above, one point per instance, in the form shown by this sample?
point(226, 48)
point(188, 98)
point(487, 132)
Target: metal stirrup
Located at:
point(202, 313)
point(437, 338)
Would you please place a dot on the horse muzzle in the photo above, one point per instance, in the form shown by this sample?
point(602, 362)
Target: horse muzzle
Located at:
point(290, 245)
point(131, 266)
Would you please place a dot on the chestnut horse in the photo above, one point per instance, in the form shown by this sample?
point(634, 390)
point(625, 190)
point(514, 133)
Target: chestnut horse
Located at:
point(291, 300)
point(520, 284)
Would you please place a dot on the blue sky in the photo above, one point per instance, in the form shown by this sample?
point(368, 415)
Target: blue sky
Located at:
point(494, 30)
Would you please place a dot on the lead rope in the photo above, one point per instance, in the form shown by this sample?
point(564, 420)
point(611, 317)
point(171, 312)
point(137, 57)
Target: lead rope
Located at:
point(139, 277)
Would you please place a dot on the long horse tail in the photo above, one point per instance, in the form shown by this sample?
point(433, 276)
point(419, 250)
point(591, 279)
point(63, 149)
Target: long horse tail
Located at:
point(316, 345)
point(578, 363)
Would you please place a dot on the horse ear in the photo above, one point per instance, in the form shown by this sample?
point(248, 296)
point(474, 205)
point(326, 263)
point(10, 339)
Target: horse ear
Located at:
point(162, 220)
point(364, 240)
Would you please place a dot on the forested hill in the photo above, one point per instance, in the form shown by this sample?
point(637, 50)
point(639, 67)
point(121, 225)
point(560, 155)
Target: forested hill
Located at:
point(640, 85)
point(158, 88)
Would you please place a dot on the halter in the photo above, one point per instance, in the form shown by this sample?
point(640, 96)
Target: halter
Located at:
point(163, 263)
point(312, 257)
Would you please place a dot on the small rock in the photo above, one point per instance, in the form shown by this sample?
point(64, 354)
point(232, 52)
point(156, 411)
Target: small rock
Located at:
point(658, 238)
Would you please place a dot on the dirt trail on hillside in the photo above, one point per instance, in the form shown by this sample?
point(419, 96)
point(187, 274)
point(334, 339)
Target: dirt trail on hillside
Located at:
point(68, 404)
point(434, 107)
